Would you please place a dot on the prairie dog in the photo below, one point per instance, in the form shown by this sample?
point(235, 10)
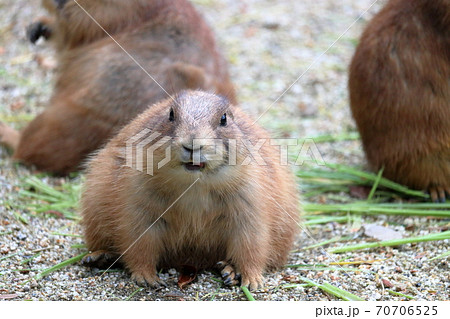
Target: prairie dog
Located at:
point(191, 213)
point(400, 93)
point(99, 88)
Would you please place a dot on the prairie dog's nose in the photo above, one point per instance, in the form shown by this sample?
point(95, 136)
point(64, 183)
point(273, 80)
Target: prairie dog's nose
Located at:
point(192, 146)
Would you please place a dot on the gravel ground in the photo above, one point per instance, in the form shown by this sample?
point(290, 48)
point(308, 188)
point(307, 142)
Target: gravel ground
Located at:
point(269, 45)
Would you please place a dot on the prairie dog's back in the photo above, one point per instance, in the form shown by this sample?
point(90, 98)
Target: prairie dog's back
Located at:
point(400, 93)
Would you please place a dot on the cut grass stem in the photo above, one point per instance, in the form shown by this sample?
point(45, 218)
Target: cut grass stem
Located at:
point(321, 267)
point(395, 293)
point(134, 293)
point(376, 209)
point(394, 242)
point(375, 184)
point(333, 290)
point(63, 264)
point(247, 293)
point(342, 175)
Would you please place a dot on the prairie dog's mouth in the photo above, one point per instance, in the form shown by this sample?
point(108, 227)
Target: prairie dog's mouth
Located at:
point(194, 167)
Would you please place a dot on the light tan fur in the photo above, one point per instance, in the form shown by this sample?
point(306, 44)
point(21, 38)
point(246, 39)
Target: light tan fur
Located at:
point(245, 214)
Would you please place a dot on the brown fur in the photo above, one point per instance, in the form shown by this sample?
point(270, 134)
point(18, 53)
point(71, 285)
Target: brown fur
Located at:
point(400, 93)
point(245, 214)
point(99, 88)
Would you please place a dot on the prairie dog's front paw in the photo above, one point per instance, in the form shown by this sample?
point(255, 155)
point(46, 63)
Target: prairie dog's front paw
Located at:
point(230, 276)
point(147, 278)
point(437, 193)
point(101, 259)
point(253, 282)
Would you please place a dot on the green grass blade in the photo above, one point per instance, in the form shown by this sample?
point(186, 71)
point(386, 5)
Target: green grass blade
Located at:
point(20, 218)
point(290, 286)
point(417, 205)
point(392, 292)
point(30, 259)
point(343, 294)
point(321, 267)
point(134, 293)
point(79, 246)
point(394, 242)
point(214, 294)
point(327, 219)
point(342, 175)
point(371, 209)
point(67, 235)
point(314, 190)
point(346, 136)
point(375, 184)
point(6, 233)
point(45, 198)
point(382, 181)
point(63, 264)
point(10, 256)
point(44, 188)
point(25, 193)
point(335, 291)
point(329, 241)
point(247, 293)
point(446, 254)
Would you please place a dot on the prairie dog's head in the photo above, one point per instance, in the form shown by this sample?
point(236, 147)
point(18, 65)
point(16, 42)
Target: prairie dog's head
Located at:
point(194, 135)
point(203, 124)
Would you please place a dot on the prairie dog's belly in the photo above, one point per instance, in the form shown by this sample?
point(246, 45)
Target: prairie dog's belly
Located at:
point(196, 238)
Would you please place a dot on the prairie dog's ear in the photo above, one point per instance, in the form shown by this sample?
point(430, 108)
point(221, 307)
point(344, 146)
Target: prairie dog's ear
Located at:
point(53, 5)
point(60, 3)
point(186, 76)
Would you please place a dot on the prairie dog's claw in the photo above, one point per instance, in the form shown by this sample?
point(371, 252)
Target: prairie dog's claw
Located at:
point(437, 193)
point(101, 259)
point(147, 278)
point(229, 275)
point(253, 283)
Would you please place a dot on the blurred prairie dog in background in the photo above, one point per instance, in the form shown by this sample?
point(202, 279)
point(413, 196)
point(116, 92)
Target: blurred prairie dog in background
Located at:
point(400, 93)
point(99, 88)
point(189, 212)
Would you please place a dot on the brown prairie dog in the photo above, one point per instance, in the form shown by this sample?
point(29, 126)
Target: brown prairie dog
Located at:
point(202, 213)
point(99, 88)
point(400, 93)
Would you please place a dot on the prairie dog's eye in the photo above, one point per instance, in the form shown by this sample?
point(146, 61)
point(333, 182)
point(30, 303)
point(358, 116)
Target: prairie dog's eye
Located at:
point(223, 120)
point(171, 116)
